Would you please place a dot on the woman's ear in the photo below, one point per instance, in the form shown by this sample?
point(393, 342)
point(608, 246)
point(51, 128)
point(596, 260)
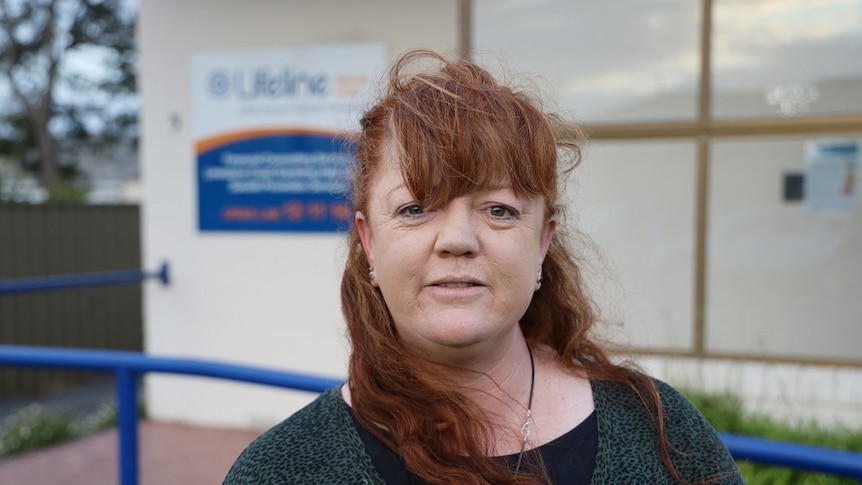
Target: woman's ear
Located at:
point(365, 237)
point(544, 244)
point(547, 236)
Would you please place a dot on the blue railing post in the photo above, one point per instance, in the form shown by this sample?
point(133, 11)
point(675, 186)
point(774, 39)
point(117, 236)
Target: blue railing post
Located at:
point(127, 422)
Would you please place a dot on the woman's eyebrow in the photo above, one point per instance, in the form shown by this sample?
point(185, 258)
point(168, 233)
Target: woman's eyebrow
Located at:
point(395, 189)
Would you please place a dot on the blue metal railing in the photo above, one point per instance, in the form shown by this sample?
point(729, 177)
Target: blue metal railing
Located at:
point(129, 365)
point(58, 282)
point(794, 455)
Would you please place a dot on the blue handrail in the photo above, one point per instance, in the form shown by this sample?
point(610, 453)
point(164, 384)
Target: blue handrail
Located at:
point(129, 365)
point(794, 455)
point(58, 282)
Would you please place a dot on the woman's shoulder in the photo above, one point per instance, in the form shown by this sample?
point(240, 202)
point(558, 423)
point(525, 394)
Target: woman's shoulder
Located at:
point(622, 406)
point(317, 444)
point(618, 397)
point(627, 432)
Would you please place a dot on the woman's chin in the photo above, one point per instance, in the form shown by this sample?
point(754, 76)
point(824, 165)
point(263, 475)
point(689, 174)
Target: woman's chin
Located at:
point(460, 340)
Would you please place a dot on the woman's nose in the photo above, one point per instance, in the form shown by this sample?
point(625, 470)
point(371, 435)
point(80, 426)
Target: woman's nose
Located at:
point(456, 232)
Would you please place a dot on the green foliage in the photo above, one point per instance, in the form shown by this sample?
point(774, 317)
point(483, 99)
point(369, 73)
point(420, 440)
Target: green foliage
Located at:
point(66, 191)
point(757, 474)
point(34, 427)
point(726, 413)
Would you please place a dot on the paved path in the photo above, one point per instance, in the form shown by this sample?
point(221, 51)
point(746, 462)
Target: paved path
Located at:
point(170, 454)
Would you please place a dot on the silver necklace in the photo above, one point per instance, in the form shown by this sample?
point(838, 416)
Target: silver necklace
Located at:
point(525, 429)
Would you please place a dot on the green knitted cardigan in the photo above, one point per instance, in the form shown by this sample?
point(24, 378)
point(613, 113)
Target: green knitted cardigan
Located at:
point(319, 445)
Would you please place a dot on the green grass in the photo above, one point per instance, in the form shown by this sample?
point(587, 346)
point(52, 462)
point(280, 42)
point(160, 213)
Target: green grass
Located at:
point(726, 414)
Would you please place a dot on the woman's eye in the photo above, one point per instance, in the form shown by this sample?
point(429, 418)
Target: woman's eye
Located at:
point(411, 210)
point(501, 212)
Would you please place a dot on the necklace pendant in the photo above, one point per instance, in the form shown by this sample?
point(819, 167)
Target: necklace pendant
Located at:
point(525, 429)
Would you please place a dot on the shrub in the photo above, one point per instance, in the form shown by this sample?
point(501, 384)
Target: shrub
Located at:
point(35, 427)
point(726, 413)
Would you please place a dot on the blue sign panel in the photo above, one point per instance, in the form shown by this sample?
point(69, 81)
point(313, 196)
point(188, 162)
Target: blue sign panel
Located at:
point(274, 181)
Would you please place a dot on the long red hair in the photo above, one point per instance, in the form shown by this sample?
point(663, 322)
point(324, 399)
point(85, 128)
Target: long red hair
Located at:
point(457, 131)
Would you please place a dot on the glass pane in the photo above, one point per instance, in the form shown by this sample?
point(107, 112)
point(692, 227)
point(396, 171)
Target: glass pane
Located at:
point(624, 60)
point(635, 201)
point(785, 248)
point(786, 58)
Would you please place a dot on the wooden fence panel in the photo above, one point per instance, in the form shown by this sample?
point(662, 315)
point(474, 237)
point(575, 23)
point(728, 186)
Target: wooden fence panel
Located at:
point(60, 239)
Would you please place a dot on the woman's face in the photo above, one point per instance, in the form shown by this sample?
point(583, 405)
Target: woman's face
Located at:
point(459, 277)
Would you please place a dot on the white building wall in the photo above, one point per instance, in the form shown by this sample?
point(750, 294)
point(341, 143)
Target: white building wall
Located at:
point(269, 299)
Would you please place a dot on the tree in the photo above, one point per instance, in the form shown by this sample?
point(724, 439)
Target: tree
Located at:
point(67, 72)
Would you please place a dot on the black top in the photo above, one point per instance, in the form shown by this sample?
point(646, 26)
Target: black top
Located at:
point(569, 459)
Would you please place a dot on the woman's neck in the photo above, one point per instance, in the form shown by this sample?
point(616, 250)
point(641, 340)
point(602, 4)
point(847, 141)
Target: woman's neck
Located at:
point(500, 384)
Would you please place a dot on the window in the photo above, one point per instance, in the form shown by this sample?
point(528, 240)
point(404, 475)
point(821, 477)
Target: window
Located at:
point(624, 60)
point(778, 58)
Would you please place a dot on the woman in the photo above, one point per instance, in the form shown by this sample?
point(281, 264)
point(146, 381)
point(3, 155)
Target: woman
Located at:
point(472, 360)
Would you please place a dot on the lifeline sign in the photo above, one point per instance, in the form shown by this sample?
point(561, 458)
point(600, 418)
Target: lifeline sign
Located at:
point(271, 155)
point(275, 181)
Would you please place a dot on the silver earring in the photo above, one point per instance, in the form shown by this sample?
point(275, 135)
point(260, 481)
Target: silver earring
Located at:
point(539, 278)
point(371, 274)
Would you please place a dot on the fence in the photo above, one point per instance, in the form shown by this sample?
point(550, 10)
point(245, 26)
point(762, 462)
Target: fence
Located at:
point(127, 366)
point(50, 239)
